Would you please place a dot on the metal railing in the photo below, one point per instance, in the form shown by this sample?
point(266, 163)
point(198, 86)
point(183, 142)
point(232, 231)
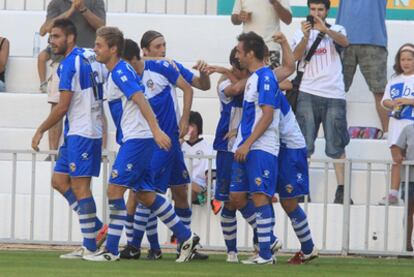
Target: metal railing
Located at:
point(127, 5)
point(352, 166)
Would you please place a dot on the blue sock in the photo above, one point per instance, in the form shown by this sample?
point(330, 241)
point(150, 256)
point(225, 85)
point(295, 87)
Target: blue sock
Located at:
point(117, 219)
point(273, 238)
point(87, 222)
point(140, 222)
point(129, 227)
point(264, 223)
point(71, 198)
point(229, 227)
point(301, 227)
point(165, 212)
point(249, 213)
point(152, 234)
point(184, 215)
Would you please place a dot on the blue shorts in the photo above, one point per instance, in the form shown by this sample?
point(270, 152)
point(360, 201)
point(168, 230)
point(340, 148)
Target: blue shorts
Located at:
point(131, 167)
point(293, 178)
point(257, 175)
point(79, 157)
point(168, 167)
point(224, 161)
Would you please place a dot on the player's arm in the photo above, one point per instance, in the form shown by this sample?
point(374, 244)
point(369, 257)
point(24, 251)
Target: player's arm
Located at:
point(52, 15)
point(57, 113)
point(228, 74)
point(160, 137)
point(201, 82)
point(236, 89)
point(187, 103)
point(288, 60)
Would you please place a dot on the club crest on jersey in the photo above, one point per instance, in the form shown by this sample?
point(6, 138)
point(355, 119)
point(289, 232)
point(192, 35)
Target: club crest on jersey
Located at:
point(129, 167)
point(289, 188)
point(85, 156)
point(185, 174)
point(258, 181)
point(150, 84)
point(72, 167)
point(114, 173)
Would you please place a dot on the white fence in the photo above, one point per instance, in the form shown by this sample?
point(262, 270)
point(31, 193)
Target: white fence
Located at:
point(31, 212)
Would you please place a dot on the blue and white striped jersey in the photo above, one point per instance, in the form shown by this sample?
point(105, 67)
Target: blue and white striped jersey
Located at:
point(291, 136)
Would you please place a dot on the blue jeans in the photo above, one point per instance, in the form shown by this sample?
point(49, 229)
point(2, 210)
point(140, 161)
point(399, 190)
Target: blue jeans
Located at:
point(313, 110)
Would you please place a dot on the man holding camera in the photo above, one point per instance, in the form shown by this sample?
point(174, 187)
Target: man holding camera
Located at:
point(322, 95)
point(263, 17)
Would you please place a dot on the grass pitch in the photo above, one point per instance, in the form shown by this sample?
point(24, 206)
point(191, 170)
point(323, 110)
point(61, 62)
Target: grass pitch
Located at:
point(47, 263)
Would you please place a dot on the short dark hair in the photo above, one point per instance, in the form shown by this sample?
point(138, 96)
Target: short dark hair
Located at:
point(327, 3)
point(252, 42)
point(197, 120)
point(407, 47)
point(67, 26)
point(131, 50)
point(233, 60)
point(113, 37)
point(148, 37)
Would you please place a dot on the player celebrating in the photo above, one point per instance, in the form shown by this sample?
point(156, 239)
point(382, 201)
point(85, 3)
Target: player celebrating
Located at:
point(80, 86)
point(137, 128)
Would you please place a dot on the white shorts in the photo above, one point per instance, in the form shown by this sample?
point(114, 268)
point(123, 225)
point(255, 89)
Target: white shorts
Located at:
point(395, 127)
point(53, 85)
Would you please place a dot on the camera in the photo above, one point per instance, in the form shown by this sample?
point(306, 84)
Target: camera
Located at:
point(311, 20)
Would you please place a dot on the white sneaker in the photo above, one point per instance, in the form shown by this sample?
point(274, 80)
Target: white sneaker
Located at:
point(77, 254)
point(259, 260)
point(187, 249)
point(232, 257)
point(102, 256)
point(276, 246)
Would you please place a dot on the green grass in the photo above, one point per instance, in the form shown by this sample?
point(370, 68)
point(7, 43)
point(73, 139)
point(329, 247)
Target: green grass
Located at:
point(47, 263)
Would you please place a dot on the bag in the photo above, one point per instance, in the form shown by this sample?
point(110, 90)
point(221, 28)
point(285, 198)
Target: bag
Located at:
point(365, 132)
point(293, 94)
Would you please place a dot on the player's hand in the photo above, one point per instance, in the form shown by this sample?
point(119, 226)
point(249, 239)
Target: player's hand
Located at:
point(201, 66)
point(216, 69)
point(183, 127)
point(230, 134)
point(79, 4)
point(320, 24)
point(401, 101)
point(306, 26)
point(36, 140)
point(245, 16)
point(241, 153)
point(162, 140)
point(279, 37)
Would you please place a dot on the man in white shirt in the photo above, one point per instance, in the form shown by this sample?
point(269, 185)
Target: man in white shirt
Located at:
point(263, 17)
point(322, 94)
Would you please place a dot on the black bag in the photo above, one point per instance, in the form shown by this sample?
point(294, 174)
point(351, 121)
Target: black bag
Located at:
point(293, 94)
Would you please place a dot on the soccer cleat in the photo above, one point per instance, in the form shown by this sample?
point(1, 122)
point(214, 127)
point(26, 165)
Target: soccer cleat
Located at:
point(392, 200)
point(300, 257)
point(276, 246)
point(198, 256)
point(77, 254)
point(215, 206)
point(297, 258)
point(232, 257)
point(102, 256)
point(101, 235)
point(130, 252)
point(154, 254)
point(312, 255)
point(259, 261)
point(187, 248)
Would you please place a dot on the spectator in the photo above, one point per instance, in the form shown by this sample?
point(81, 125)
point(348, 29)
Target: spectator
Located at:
point(399, 98)
point(322, 95)
point(196, 145)
point(364, 22)
point(406, 142)
point(88, 16)
point(4, 56)
point(264, 19)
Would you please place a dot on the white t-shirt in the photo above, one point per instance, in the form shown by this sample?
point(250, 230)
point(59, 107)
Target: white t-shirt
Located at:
point(200, 166)
point(323, 75)
point(265, 21)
